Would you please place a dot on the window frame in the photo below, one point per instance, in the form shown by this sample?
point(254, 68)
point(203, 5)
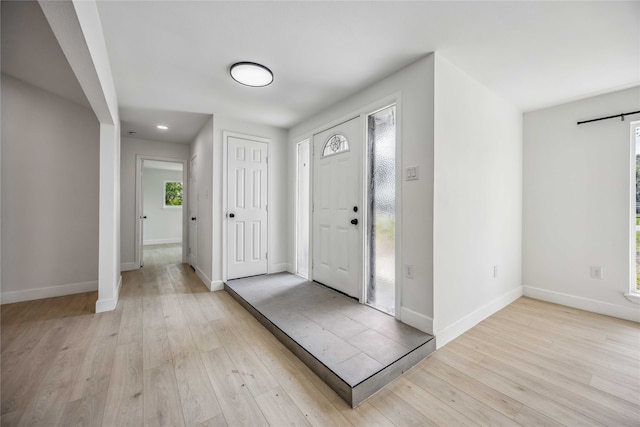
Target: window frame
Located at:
point(633, 293)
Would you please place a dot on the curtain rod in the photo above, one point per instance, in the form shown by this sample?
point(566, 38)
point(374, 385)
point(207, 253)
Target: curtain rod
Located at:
point(622, 115)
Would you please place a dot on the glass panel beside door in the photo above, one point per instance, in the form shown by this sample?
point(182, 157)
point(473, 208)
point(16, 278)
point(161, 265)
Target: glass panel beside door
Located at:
point(381, 199)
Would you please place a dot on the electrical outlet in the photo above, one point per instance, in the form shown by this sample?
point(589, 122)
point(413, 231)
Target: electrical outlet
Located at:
point(596, 272)
point(408, 271)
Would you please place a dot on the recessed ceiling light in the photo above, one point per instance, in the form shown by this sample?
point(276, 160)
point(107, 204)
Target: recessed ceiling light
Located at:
point(251, 74)
point(162, 127)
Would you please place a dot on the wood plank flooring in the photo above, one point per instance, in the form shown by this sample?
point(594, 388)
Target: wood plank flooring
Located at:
point(174, 354)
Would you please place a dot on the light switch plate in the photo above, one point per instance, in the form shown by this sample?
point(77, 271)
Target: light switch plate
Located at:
point(411, 173)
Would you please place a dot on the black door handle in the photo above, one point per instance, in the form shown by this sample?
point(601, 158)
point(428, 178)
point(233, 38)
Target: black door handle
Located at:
point(354, 221)
point(144, 217)
point(232, 215)
point(193, 218)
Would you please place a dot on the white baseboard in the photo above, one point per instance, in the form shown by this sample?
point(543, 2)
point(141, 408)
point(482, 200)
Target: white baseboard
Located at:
point(417, 320)
point(48, 292)
point(128, 266)
point(595, 306)
point(162, 241)
point(279, 268)
point(457, 328)
point(109, 304)
point(207, 282)
point(217, 285)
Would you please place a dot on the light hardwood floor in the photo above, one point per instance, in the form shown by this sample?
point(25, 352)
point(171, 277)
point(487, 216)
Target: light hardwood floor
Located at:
point(174, 354)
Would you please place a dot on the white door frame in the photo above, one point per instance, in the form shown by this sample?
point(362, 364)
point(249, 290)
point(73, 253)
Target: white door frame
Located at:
point(193, 261)
point(297, 213)
point(185, 200)
point(223, 213)
point(363, 112)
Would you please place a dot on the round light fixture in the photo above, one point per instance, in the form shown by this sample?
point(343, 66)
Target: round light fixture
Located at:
point(251, 74)
point(162, 127)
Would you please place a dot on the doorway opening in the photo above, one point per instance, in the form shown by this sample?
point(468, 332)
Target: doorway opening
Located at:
point(380, 291)
point(302, 209)
point(162, 196)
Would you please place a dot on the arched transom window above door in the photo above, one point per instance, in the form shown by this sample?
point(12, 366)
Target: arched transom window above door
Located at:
point(335, 144)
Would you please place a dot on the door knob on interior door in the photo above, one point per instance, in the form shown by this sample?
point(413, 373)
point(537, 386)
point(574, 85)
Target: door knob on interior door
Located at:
point(354, 221)
point(144, 217)
point(193, 218)
point(232, 215)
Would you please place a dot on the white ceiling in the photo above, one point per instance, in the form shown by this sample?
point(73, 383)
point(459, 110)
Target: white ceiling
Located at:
point(175, 55)
point(183, 126)
point(30, 51)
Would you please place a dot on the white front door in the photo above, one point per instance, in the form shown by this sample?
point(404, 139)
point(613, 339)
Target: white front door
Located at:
point(337, 207)
point(193, 213)
point(246, 207)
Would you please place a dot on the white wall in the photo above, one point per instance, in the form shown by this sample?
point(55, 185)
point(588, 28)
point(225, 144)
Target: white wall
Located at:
point(577, 186)
point(277, 187)
point(202, 149)
point(414, 86)
point(76, 25)
point(477, 202)
point(130, 148)
point(50, 163)
point(163, 224)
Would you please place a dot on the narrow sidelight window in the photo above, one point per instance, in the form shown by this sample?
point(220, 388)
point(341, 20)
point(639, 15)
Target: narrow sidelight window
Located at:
point(381, 137)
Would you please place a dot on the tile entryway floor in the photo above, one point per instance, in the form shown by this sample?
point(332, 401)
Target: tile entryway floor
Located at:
point(356, 349)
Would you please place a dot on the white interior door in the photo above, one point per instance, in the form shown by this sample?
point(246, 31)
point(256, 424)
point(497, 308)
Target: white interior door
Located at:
point(246, 208)
point(193, 213)
point(337, 203)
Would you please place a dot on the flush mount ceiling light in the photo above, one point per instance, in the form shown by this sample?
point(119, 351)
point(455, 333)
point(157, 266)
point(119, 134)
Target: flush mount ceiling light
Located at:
point(162, 127)
point(251, 74)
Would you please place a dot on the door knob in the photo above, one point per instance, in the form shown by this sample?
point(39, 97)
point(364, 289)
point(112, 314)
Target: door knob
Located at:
point(144, 217)
point(193, 218)
point(232, 215)
point(354, 221)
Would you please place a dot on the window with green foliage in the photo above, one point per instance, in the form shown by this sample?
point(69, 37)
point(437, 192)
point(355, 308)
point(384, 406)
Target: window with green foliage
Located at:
point(172, 193)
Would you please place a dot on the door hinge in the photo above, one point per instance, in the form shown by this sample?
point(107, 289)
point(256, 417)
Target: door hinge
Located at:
point(266, 256)
point(313, 207)
point(266, 208)
point(267, 159)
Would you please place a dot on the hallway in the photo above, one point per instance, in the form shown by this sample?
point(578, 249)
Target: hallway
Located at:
point(161, 255)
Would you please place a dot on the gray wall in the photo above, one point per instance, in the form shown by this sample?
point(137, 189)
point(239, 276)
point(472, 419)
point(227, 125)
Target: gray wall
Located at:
point(129, 148)
point(50, 166)
point(163, 224)
point(578, 206)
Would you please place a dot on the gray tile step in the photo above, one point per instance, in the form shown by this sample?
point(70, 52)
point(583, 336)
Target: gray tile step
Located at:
point(354, 348)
